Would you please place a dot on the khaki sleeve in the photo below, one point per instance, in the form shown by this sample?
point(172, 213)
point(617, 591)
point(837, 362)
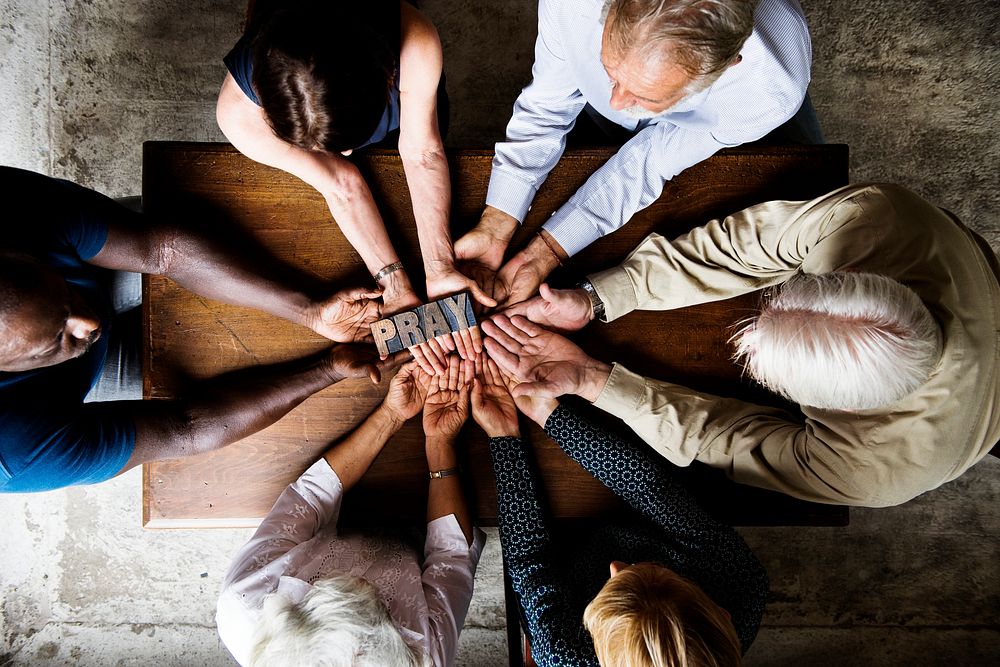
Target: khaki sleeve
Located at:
point(755, 248)
point(756, 445)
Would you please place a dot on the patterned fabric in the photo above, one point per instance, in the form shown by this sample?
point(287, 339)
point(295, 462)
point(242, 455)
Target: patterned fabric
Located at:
point(749, 100)
point(298, 543)
point(554, 579)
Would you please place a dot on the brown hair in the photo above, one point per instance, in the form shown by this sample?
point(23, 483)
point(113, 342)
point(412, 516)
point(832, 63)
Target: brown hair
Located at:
point(648, 616)
point(323, 70)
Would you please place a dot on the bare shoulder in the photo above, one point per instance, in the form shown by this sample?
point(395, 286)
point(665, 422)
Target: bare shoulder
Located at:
point(420, 56)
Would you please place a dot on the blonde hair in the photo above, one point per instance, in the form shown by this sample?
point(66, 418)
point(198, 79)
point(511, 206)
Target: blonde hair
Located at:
point(648, 616)
point(841, 341)
point(341, 622)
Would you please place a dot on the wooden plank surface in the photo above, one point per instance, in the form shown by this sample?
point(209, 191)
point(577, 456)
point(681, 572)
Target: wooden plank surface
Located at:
point(188, 337)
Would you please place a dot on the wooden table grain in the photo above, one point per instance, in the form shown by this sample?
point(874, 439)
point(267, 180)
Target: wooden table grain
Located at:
point(187, 337)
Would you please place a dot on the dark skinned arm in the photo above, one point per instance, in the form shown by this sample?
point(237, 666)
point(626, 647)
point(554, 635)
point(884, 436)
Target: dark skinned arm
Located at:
point(237, 272)
point(238, 404)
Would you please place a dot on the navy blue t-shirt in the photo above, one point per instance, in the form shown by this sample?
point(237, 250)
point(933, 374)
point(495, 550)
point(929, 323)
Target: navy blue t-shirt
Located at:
point(48, 437)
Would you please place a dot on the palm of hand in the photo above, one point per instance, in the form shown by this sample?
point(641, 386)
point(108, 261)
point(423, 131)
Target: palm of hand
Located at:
point(445, 411)
point(496, 406)
point(550, 359)
point(406, 395)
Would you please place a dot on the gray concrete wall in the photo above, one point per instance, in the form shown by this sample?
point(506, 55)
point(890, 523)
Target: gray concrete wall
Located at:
point(911, 85)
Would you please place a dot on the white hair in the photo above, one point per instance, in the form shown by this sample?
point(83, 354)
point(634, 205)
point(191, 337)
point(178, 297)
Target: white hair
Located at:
point(841, 341)
point(341, 622)
point(703, 37)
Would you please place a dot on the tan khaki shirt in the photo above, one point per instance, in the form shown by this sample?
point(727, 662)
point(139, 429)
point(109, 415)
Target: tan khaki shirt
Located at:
point(872, 457)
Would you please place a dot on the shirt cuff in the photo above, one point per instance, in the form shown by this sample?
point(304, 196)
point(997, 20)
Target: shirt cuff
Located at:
point(616, 291)
point(444, 534)
point(622, 394)
point(320, 486)
point(509, 194)
point(572, 229)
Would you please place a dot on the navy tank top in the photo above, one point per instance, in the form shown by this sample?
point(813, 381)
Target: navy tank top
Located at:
point(239, 62)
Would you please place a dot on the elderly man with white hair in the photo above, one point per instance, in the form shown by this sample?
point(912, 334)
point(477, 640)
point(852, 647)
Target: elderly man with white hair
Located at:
point(670, 81)
point(882, 325)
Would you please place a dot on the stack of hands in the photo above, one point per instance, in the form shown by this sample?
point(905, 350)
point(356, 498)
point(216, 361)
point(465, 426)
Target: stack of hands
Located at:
point(475, 268)
point(478, 386)
point(522, 340)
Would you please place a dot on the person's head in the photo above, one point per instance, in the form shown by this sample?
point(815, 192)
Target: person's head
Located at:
point(341, 622)
point(657, 52)
point(44, 320)
point(841, 341)
point(646, 615)
point(323, 70)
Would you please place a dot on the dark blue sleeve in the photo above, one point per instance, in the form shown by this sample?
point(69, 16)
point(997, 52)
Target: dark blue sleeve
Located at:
point(49, 447)
point(727, 570)
point(63, 215)
point(554, 627)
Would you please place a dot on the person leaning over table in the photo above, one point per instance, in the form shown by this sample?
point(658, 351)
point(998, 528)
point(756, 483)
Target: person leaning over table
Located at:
point(684, 589)
point(302, 593)
point(673, 81)
point(61, 337)
point(311, 81)
point(881, 323)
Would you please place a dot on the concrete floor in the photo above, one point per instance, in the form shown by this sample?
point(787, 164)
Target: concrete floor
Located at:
point(911, 85)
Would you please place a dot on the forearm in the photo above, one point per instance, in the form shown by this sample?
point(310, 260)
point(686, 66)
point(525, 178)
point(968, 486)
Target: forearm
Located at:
point(519, 507)
point(229, 408)
point(351, 457)
point(357, 216)
point(354, 210)
point(754, 248)
point(430, 191)
point(633, 474)
point(445, 495)
point(240, 276)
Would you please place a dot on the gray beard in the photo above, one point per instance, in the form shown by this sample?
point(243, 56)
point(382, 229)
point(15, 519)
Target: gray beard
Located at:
point(640, 113)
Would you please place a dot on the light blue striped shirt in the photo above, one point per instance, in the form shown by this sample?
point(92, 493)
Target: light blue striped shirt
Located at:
point(749, 100)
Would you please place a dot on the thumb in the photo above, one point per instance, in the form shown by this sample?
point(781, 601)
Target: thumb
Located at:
point(481, 296)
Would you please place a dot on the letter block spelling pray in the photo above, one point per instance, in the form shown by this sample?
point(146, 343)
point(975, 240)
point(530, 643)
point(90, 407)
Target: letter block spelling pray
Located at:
point(420, 324)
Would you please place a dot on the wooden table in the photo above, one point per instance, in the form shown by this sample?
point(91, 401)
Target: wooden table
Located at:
point(188, 337)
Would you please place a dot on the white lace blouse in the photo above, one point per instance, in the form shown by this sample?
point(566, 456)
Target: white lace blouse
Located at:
point(298, 543)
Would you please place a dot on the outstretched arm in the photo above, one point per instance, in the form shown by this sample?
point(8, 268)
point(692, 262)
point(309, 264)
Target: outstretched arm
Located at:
point(239, 274)
point(334, 177)
point(544, 113)
point(627, 466)
point(423, 156)
point(238, 404)
point(524, 534)
point(754, 248)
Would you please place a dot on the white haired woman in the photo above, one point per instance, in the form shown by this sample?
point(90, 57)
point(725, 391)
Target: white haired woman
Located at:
point(302, 593)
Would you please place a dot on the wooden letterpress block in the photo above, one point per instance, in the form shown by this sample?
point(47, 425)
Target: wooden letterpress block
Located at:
point(420, 324)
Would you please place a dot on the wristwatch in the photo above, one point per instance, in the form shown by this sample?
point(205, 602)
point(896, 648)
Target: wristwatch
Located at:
point(447, 472)
point(595, 300)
